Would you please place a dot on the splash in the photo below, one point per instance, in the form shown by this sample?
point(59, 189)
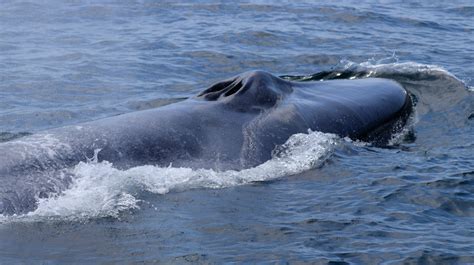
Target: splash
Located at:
point(388, 67)
point(101, 190)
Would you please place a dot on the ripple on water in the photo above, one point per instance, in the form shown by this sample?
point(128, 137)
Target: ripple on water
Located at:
point(63, 62)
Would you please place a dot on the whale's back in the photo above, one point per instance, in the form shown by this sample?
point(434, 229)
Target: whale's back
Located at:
point(368, 109)
point(234, 124)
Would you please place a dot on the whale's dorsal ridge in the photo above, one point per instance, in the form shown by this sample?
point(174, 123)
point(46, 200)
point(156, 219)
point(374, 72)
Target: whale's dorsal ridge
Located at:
point(233, 125)
point(250, 89)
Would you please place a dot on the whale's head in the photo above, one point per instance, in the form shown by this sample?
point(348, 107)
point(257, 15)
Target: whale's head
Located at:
point(250, 90)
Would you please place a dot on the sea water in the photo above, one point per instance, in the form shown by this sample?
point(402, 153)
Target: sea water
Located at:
point(320, 199)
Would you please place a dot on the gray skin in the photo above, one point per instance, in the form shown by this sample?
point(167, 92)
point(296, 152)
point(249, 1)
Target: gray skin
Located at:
point(234, 124)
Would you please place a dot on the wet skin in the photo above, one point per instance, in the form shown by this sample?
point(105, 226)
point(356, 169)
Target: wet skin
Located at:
point(234, 124)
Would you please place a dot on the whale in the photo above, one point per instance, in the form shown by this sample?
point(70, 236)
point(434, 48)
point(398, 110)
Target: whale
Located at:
point(233, 124)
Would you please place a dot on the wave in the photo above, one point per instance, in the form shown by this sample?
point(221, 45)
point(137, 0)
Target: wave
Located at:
point(101, 190)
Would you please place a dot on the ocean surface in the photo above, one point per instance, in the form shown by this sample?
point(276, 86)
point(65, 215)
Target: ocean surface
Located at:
point(326, 200)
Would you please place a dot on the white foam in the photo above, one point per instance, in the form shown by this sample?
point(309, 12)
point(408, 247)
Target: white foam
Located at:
point(391, 65)
point(101, 190)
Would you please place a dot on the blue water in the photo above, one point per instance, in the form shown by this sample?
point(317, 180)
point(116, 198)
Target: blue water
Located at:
point(65, 62)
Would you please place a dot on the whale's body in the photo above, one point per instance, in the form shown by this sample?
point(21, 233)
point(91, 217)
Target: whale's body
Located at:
point(234, 124)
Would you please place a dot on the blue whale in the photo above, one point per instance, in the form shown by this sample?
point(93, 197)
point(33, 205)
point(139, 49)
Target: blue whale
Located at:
point(237, 122)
